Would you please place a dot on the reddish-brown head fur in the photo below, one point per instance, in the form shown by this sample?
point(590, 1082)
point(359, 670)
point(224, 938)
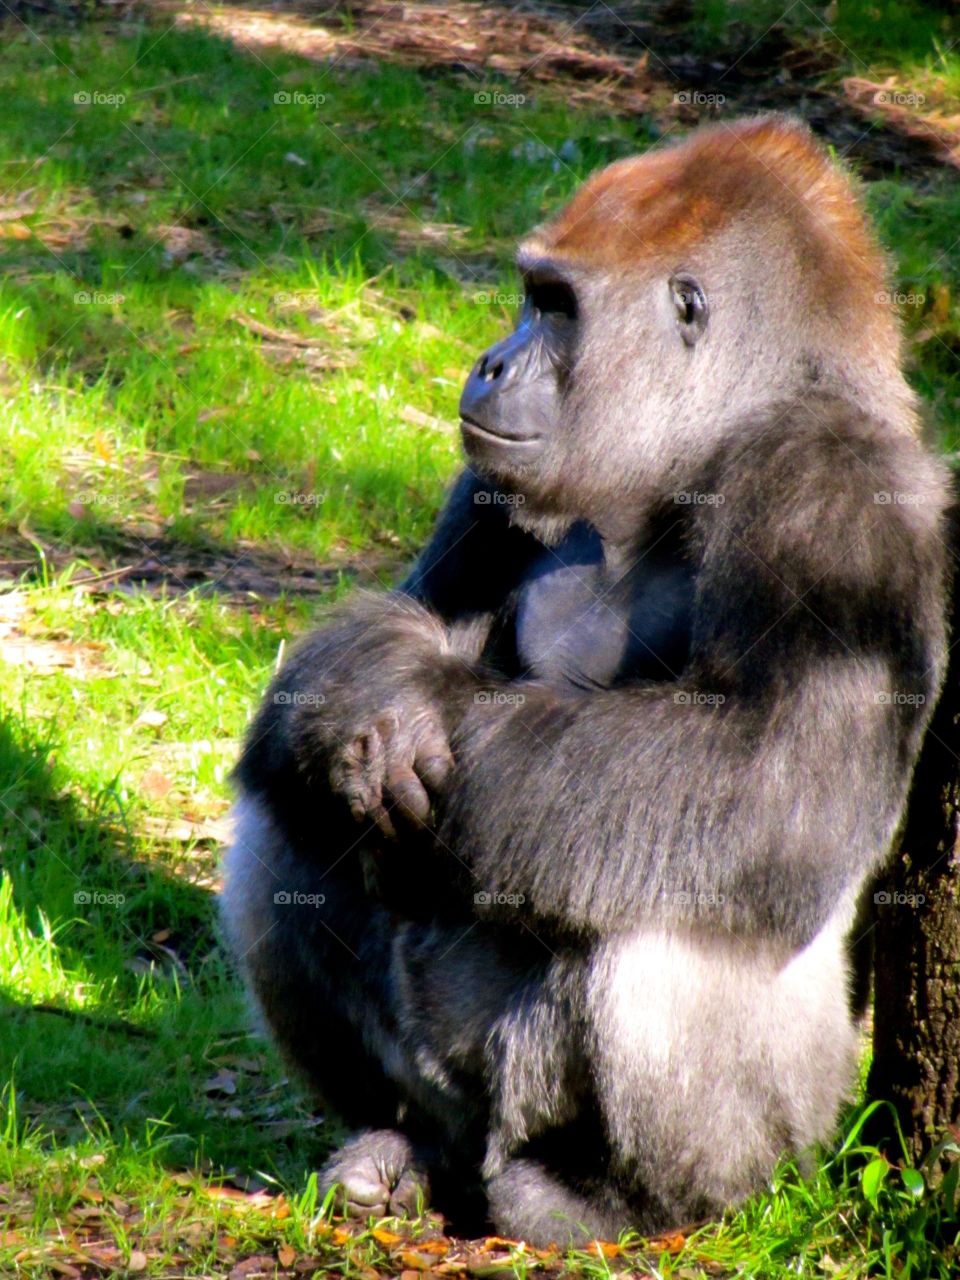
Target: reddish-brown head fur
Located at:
point(767, 171)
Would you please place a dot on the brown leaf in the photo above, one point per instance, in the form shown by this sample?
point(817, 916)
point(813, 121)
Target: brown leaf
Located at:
point(414, 1261)
point(286, 1255)
point(137, 1261)
point(253, 1267)
point(17, 231)
point(384, 1237)
point(670, 1242)
point(155, 785)
point(940, 311)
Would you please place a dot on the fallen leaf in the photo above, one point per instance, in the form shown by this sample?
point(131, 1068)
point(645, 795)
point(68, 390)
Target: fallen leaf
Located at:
point(286, 1255)
point(257, 1265)
point(223, 1082)
point(414, 1261)
point(672, 1242)
point(155, 785)
point(384, 1237)
point(151, 718)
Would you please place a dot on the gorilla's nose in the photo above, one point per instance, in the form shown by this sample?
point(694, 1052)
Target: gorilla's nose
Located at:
point(480, 403)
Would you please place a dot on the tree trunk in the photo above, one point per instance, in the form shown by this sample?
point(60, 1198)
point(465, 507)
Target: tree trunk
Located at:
point(916, 1039)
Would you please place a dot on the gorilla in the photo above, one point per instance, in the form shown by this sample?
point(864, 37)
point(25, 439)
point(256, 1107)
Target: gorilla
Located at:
point(547, 864)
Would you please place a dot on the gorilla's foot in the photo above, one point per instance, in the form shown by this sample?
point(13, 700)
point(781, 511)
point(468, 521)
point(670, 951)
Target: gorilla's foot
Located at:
point(528, 1203)
point(377, 1175)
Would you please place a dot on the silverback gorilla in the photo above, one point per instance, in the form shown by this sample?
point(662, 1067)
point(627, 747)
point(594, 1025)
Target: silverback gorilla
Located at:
point(547, 864)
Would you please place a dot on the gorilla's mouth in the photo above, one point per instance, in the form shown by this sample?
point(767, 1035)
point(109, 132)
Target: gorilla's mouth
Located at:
point(470, 426)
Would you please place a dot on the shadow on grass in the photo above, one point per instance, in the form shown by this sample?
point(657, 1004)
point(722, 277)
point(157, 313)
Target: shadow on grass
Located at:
point(117, 1006)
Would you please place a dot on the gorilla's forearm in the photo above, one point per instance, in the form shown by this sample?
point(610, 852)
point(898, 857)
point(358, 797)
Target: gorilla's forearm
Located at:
point(612, 808)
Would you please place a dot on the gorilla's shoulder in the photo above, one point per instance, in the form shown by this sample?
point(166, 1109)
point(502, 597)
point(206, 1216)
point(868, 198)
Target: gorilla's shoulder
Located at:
point(825, 463)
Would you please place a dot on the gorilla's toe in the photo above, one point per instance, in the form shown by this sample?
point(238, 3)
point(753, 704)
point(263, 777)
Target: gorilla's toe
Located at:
point(377, 1176)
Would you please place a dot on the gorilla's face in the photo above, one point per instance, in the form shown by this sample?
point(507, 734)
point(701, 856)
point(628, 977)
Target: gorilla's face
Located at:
point(568, 407)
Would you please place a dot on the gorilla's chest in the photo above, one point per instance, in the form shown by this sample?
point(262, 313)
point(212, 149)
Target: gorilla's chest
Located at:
point(575, 624)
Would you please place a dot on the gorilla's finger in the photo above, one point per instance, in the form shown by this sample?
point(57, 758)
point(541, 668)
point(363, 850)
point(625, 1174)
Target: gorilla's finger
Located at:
point(383, 820)
point(357, 774)
point(409, 1194)
point(405, 788)
point(434, 763)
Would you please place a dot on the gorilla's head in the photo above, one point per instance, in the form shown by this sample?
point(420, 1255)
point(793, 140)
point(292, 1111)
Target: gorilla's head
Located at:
point(677, 294)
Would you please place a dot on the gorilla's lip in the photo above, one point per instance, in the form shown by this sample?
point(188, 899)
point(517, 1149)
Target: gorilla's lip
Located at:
point(474, 428)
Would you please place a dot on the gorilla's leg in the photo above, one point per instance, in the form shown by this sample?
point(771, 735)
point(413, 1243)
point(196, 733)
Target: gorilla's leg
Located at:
point(388, 1020)
point(714, 1056)
point(314, 952)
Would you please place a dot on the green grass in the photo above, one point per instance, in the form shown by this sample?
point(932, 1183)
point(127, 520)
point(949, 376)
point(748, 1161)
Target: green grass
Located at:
point(281, 376)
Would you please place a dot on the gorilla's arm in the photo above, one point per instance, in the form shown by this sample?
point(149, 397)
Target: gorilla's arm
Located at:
point(366, 704)
point(758, 791)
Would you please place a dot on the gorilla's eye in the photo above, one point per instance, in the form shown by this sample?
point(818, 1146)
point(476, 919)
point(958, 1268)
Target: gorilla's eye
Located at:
point(691, 306)
point(553, 298)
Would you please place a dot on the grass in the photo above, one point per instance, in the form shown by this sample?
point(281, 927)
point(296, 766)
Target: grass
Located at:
point(237, 325)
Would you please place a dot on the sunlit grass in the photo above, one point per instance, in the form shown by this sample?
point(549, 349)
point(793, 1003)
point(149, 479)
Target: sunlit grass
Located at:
point(304, 341)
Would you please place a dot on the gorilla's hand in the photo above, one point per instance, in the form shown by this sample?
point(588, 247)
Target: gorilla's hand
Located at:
point(390, 766)
point(365, 708)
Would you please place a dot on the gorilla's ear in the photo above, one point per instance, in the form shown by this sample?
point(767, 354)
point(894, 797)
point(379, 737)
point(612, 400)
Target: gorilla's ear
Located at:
point(691, 306)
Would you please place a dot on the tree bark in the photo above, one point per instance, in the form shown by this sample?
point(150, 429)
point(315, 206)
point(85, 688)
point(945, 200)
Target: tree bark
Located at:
point(916, 1037)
